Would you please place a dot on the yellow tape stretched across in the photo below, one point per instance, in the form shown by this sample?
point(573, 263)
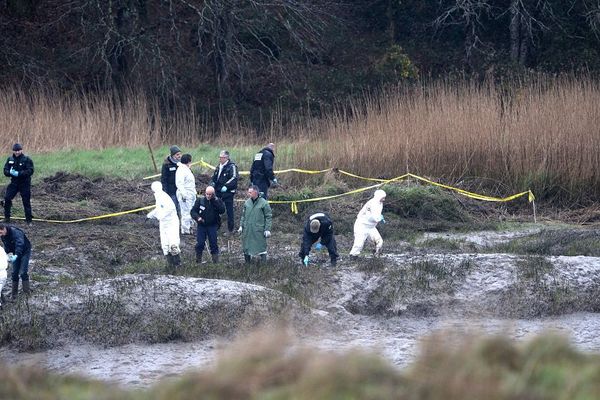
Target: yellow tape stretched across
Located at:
point(294, 203)
point(72, 221)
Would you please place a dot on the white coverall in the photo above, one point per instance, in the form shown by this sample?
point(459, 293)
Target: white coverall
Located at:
point(186, 195)
point(166, 213)
point(365, 226)
point(3, 267)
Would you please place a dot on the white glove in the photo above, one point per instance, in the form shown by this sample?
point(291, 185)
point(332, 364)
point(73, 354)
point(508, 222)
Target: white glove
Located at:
point(240, 230)
point(267, 234)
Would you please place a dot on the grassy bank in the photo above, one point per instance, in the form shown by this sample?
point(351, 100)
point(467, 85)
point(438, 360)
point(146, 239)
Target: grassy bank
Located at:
point(261, 367)
point(540, 135)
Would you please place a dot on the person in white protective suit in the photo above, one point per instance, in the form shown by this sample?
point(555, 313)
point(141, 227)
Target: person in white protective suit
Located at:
point(166, 213)
point(3, 267)
point(186, 193)
point(365, 226)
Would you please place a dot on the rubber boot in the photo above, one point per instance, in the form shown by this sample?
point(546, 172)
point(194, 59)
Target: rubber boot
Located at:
point(14, 291)
point(215, 258)
point(26, 288)
point(170, 269)
point(262, 259)
point(247, 258)
point(176, 260)
point(198, 258)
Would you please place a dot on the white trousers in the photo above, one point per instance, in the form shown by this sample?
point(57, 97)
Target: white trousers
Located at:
point(360, 237)
point(169, 236)
point(185, 206)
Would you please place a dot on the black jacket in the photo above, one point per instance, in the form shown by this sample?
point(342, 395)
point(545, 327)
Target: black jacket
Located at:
point(325, 229)
point(262, 167)
point(167, 176)
point(15, 241)
point(209, 210)
point(23, 164)
point(229, 178)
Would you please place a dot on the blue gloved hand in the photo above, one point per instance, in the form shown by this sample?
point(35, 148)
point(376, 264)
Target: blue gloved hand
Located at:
point(14, 172)
point(382, 220)
point(318, 246)
point(223, 189)
point(12, 258)
point(305, 261)
point(275, 181)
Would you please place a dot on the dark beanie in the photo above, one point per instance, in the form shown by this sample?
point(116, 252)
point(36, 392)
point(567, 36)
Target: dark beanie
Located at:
point(17, 147)
point(174, 150)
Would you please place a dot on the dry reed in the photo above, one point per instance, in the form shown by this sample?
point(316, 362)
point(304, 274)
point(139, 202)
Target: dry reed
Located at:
point(542, 135)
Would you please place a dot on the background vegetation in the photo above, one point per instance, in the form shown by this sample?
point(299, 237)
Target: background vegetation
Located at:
point(260, 368)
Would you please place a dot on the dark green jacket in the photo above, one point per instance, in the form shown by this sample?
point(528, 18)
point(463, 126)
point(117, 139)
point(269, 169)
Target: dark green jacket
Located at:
point(256, 219)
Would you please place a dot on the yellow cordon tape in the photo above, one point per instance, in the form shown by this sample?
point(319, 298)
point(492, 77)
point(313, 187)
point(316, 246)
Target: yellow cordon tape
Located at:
point(55, 221)
point(294, 203)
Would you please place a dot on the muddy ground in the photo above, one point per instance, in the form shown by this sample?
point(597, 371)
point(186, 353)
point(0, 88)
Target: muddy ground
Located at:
point(107, 255)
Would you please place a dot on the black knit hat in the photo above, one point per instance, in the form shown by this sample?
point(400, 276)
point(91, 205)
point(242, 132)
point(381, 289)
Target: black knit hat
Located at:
point(17, 147)
point(174, 150)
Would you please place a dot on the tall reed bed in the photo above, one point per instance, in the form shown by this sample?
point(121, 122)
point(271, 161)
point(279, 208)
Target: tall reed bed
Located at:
point(543, 135)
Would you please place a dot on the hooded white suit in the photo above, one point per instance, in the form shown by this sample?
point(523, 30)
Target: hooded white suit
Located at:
point(186, 195)
point(3, 267)
point(365, 226)
point(166, 213)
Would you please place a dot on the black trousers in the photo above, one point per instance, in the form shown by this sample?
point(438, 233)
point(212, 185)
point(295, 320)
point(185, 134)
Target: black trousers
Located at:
point(228, 201)
point(326, 240)
point(11, 192)
point(263, 186)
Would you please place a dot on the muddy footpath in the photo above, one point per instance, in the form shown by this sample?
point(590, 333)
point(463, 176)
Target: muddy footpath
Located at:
point(103, 305)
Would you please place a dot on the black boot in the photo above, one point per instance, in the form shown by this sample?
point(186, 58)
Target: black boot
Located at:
point(247, 258)
point(26, 288)
point(198, 258)
point(176, 260)
point(14, 291)
point(170, 269)
point(263, 259)
point(215, 258)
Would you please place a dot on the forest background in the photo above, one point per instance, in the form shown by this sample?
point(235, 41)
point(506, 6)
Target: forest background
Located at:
point(504, 90)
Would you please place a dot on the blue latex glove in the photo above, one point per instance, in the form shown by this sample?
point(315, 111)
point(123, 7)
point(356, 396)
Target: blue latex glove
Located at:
point(382, 220)
point(305, 261)
point(318, 246)
point(14, 172)
point(223, 189)
point(12, 258)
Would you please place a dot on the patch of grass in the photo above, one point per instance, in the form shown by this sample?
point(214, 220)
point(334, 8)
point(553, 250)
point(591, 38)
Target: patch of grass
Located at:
point(427, 203)
point(555, 242)
point(23, 327)
point(534, 269)
point(442, 244)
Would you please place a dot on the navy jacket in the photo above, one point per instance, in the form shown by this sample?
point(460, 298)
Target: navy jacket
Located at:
point(228, 178)
point(209, 210)
point(167, 176)
point(23, 164)
point(262, 167)
point(15, 241)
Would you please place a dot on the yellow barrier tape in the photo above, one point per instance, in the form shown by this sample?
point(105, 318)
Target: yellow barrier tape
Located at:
point(56, 221)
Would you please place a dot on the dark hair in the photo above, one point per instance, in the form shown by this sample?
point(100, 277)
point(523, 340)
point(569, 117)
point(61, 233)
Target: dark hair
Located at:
point(254, 187)
point(4, 225)
point(186, 158)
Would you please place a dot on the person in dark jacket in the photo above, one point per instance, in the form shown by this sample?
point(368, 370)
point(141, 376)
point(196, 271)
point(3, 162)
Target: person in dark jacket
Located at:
point(19, 168)
point(261, 172)
point(317, 226)
point(167, 175)
point(207, 212)
point(18, 248)
point(225, 180)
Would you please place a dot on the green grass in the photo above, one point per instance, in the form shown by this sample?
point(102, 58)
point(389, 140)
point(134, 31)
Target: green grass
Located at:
point(135, 163)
